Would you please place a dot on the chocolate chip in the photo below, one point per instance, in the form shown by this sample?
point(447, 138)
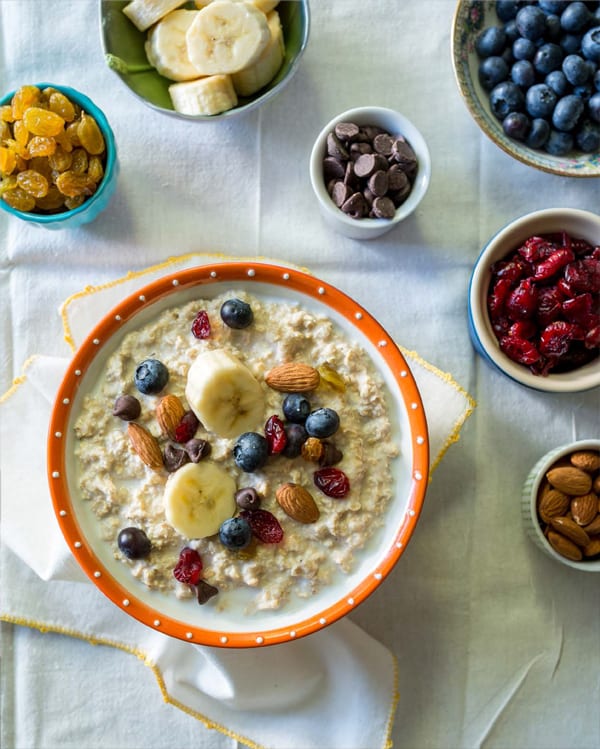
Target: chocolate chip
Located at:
point(365, 165)
point(248, 498)
point(340, 194)
point(384, 208)
point(350, 177)
point(197, 449)
point(346, 130)
point(335, 148)
point(174, 458)
point(205, 591)
point(383, 143)
point(355, 206)
point(378, 183)
point(397, 179)
point(333, 168)
point(372, 131)
point(404, 155)
point(356, 149)
point(127, 407)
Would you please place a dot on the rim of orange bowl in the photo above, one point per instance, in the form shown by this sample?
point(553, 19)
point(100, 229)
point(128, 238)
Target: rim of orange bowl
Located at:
point(278, 276)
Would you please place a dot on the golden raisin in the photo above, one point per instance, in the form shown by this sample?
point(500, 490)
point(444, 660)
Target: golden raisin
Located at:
point(8, 183)
point(24, 98)
point(40, 164)
point(60, 160)
point(64, 141)
point(59, 104)
point(5, 131)
point(33, 183)
point(52, 201)
point(6, 114)
point(89, 134)
point(95, 169)
point(20, 132)
point(332, 377)
point(19, 199)
point(73, 135)
point(41, 145)
point(74, 202)
point(80, 161)
point(8, 160)
point(71, 184)
point(42, 122)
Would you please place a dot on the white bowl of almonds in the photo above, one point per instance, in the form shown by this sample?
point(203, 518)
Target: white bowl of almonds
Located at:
point(561, 505)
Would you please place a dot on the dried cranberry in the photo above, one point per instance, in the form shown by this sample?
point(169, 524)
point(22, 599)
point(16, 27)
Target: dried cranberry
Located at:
point(536, 249)
point(201, 325)
point(592, 338)
point(512, 270)
point(275, 435)
point(332, 482)
point(553, 264)
point(556, 338)
point(522, 301)
point(189, 566)
point(584, 275)
point(264, 524)
point(578, 308)
point(522, 329)
point(187, 427)
point(498, 297)
point(520, 350)
point(581, 247)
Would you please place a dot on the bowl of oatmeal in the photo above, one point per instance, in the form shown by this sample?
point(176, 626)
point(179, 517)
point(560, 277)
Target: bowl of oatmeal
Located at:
point(238, 454)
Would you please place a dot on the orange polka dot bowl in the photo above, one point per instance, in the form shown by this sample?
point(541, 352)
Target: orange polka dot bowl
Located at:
point(58, 156)
point(212, 567)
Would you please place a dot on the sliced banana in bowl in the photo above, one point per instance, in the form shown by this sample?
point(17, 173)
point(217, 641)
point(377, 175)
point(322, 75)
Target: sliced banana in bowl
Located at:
point(205, 60)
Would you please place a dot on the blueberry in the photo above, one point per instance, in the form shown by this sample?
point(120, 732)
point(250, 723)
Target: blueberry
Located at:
point(531, 22)
point(597, 80)
point(540, 100)
point(322, 423)
point(584, 92)
point(492, 71)
point(523, 49)
point(296, 436)
point(559, 144)
point(296, 407)
point(151, 376)
point(571, 43)
point(523, 74)
point(548, 58)
point(575, 17)
point(235, 533)
point(506, 97)
point(587, 136)
point(594, 107)
point(538, 135)
point(134, 543)
point(491, 41)
point(516, 125)
point(553, 29)
point(558, 82)
point(250, 451)
point(506, 10)
point(567, 112)
point(590, 44)
point(511, 31)
point(575, 69)
point(552, 6)
point(236, 314)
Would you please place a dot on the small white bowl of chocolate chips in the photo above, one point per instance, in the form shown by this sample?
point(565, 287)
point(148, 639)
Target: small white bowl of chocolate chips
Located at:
point(369, 168)
point(561, 505)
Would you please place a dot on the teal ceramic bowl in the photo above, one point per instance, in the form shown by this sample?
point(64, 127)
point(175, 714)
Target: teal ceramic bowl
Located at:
point(124, 52)
point(470, 18)
point(95, 204)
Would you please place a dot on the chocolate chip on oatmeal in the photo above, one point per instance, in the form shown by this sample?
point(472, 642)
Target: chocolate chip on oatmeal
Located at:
point(127, 407)
point(205, 591)
point(174, 458)
point(197, 449)
point(248, 498)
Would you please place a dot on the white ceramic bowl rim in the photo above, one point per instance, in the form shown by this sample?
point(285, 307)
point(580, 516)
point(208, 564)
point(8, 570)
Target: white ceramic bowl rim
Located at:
point(582, 379)
point(405, 128)
point(531, 490)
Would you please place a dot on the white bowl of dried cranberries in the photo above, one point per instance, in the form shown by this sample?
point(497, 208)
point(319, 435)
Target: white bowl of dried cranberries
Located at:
point(534, 300)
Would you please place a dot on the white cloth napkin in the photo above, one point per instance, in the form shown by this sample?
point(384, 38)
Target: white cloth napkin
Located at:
point(335, 689)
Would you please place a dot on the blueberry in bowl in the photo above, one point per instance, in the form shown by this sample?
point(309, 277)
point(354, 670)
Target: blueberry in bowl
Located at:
point(535, 61)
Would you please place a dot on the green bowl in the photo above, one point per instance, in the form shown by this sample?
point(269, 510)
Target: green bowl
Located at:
point(123, 46)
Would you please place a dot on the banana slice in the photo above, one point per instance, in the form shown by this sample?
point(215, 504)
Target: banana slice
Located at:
point(224, 394)
point(250, 80)
point(227, 36)
point(166, 46)
point(198, 498)
point(143, 13)
point(210, 95)
point(265, 5)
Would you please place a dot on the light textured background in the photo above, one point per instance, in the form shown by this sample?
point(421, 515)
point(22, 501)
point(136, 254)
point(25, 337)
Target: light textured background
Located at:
point(497, 645)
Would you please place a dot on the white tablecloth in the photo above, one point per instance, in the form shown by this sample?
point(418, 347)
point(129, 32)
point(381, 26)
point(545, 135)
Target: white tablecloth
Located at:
point(497, 645)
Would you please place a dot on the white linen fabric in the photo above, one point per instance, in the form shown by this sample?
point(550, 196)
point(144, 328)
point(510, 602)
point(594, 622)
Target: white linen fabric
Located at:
point(495, 643)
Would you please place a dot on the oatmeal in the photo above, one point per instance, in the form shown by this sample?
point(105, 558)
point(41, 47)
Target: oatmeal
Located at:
point(275, 483)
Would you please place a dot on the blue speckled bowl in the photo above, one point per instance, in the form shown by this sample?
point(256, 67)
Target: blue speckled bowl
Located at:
point(578, 223)
point(94, 205)
point(471, 16)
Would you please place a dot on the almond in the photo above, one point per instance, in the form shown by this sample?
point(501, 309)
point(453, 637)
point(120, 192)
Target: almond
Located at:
point(571, 530)
point(145, 445)
point(593, 548)
point(570, 480)
point(296, 502)
point(552, 504)
point(586, 460)
point(293, 377)
point(593, 529)
point(564, 547)
point(596, 485)
point(169, 413)
point(584, 508)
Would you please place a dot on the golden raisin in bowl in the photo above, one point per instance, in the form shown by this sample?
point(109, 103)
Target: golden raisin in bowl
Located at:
point(57, 155)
